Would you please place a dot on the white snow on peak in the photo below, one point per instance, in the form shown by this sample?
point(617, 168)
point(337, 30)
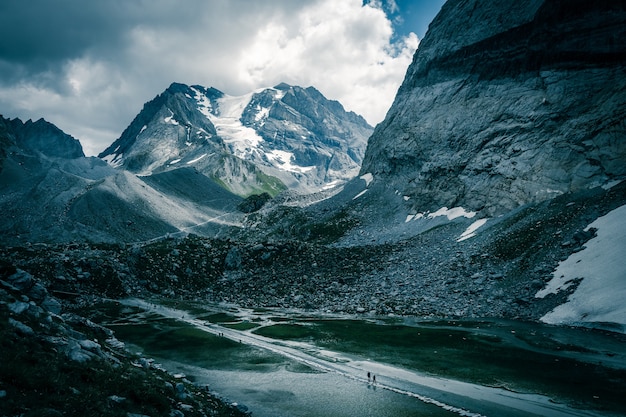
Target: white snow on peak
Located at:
point(262, 113)
point(279, 94)
point(452, 213)
point(600, 295)
point(170, 119)
point(204, 104)
point(243, 141)
point(471, 230)
point(368, 178)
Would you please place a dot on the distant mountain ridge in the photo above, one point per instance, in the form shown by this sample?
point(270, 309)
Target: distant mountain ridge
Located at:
point(285, 137)
point(42, 136)
point(51, 192)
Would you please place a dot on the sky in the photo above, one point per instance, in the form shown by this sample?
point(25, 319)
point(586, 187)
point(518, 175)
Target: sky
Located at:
point(89, 66)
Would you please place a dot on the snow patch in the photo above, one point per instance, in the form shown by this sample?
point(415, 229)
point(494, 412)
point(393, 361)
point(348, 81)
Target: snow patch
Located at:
point(262, 113)
point(368, 178)
point(452, 213)
point(170, 119)
point(331, 184)
point(204, 104)
point(114, 160)
point(600, 295)
point(282, 160)
point(142, 129)
point(471, 230)
point(243, 141)
point(360, 194)
point(414, 217)
point(175, 161)
point(193, 161)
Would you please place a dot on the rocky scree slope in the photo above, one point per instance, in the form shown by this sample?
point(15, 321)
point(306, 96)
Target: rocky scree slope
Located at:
point(507, 103)
point(494, 274)
point(274, 139)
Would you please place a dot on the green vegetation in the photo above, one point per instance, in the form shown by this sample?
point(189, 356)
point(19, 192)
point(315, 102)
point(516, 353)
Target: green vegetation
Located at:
point(270, 185)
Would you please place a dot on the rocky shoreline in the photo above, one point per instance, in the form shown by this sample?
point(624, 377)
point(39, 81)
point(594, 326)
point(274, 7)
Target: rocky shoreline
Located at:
point(58, 363)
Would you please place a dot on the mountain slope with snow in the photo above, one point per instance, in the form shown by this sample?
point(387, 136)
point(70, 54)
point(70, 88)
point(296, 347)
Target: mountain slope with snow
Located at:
point(273, 139)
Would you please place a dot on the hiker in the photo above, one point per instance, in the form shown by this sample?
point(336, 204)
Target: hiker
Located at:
point(368, 377)
point(374, 379)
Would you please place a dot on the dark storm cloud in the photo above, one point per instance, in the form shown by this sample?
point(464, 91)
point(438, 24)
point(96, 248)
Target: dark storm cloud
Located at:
point(40, 35)
point(39, 32)
point(89, 65)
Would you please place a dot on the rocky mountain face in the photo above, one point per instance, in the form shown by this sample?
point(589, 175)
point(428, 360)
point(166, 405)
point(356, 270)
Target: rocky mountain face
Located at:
point(40, 136)
point(506, 104)
point(273, 139)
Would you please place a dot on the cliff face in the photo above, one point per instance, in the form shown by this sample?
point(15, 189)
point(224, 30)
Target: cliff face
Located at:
point(507, 104)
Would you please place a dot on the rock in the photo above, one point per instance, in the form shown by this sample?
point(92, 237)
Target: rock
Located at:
point(75, 352)
point(116, 399)
point(51, 305)
point(495, 109)
point(21, 328)
point(18, 307)
point(89, 345)
point(233, 258)
point(21, 280)
point(37, 292)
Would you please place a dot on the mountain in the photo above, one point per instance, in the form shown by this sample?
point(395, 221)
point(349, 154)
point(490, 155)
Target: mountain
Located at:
point(270, 140)
point(496, 180)
point(507, 104)
point(51, 192)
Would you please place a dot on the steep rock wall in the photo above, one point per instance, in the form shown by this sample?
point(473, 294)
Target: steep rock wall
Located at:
point(507, 104)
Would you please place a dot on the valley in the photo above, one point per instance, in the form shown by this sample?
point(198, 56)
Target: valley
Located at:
point(267, 253)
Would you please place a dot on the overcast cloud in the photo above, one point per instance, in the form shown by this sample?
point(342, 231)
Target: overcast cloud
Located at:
point(88, 66)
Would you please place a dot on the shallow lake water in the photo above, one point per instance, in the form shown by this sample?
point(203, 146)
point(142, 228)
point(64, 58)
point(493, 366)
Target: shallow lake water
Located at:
point(293, 363)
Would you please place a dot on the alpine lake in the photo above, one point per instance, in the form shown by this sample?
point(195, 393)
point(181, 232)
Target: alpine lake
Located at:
point(275, 362)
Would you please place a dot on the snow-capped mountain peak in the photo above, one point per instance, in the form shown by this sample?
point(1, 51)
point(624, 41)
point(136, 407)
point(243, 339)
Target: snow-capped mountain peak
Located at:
point(267, 140)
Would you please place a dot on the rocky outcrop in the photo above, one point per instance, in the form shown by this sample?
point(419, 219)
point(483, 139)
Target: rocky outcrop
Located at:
point(57, 362)
point(506, 104)
point(44, 137)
